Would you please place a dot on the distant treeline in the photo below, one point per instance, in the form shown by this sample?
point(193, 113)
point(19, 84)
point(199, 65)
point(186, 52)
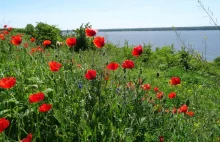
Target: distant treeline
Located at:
point(162, 29)
point(143, 29)
point(20, 30)
point(156, 29)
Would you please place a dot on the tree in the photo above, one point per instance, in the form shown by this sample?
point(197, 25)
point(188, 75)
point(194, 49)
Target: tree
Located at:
point(30, 30)
point(44, 31)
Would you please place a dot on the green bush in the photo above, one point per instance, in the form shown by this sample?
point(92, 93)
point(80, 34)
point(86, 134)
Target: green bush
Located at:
point(18, 30)
point(82, 42)
point(30, 30)
point(217, 60)
point(164, 57)
point(127, 50)
point(184, 58)
point(44, 31)
point(147, 53)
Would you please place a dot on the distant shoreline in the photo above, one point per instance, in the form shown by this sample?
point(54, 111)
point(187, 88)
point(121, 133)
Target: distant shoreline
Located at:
point(158, 29)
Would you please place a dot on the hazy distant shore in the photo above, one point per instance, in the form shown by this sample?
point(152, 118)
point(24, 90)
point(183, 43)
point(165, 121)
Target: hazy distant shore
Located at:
point(158, 29)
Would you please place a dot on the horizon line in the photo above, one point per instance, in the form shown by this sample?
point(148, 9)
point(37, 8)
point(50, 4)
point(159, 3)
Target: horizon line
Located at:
point(159, 28)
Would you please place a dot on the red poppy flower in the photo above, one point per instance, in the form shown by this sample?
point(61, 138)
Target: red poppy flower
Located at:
point(5, 32)
point(28, 138)
point(175, 80)
point(159, 95)
point(33, 50)
point(106, 78)
point(36, 97)
point(130, 85)
point(156, 89)
point(71, 41)
point(45, 107)
point(46, 43)
point(146, 87)
point(10, 28)
point(48, 54)
point(90, 32)
point(16, 40)
point(79, 66)
point(4, 123)
point(137, 51)
point(99, 41)
point(2, 36)
point(32, 39)
point(25, 45)
point(172, 95)
point(183, 108)
point(128, 64)
point(190, 113)
point(5, 26)
point(112, 66)
point(143, 98)
point(140, 81)
point(174, 110)
point(54, 66)
point(39, 49)
point(21, 35)
point(161, 138)
point(7, 82)
point(90, 75)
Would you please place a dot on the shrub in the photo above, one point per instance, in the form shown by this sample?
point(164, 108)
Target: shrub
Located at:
point(147, 52)
point(82, 42)
point(18, 30)
point(165, 57)
point(30, 30)
point(184, 59)
point(44, 31)
point(127, 50)
point(217, 60)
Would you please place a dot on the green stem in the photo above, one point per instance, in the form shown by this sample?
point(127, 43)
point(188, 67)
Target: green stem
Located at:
point(124, 94)
point(38, 128)
point(58, 51)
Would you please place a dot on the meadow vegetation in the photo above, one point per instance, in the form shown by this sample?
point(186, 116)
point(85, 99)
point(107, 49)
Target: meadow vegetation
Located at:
point(85, 89)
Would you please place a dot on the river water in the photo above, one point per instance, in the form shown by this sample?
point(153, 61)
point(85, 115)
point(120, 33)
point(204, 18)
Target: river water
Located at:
point(207, 42)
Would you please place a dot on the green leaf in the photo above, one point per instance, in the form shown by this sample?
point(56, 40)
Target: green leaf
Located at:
point(187, 102)
point(48, 90)
point(35, 80)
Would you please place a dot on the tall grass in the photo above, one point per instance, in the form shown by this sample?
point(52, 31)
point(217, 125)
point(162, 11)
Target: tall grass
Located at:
point(114, 109)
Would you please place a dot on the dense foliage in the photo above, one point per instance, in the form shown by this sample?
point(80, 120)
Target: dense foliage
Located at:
point(217, 60)
point(83, 43)
point(30, 30)
point(44, 31)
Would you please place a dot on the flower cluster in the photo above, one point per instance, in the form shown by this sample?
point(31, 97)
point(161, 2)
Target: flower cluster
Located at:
point(41, 99)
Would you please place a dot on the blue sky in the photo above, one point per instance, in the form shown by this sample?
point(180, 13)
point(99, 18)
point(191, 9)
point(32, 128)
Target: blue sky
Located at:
point(70, 14)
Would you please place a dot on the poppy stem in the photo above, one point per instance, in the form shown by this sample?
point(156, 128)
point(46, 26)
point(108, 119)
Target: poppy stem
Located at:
point(72, 53)
point(140, 69)
point(38, 128)
point(93, 57)
point(124, 94)
point(101, 76)
point(58, 51)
